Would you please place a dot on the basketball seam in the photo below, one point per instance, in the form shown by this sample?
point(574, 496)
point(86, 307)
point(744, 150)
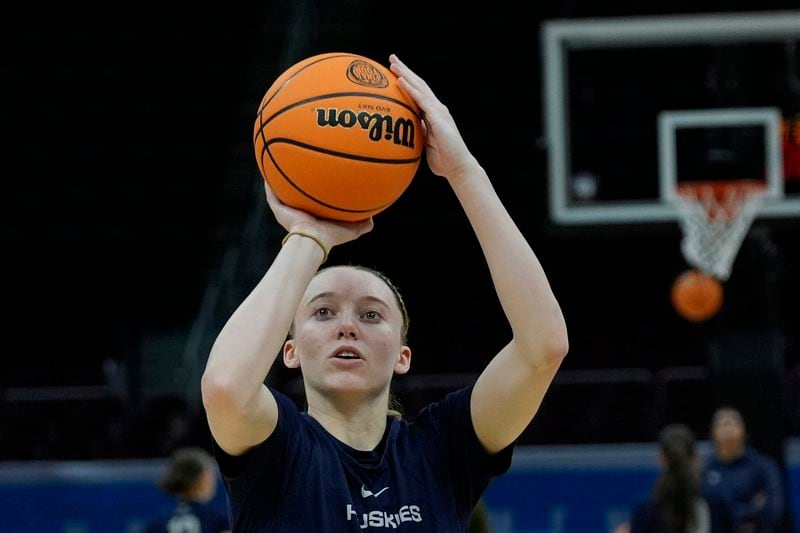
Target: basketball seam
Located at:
point(343, 155)
point(265, 104)
point(307, 195)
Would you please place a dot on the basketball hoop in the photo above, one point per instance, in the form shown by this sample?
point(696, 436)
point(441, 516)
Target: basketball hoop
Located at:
point(714, 217)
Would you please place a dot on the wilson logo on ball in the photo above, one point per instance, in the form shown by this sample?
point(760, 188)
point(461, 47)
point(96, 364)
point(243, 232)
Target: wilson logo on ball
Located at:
point(363, 73)
point(399, 130)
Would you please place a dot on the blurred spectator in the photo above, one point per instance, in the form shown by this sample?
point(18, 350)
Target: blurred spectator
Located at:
point(191, 478)
point(751, 479)
point(678, 505)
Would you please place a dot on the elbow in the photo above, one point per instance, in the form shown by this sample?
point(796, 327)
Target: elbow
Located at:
point(545, 354)
point(547, 337)
point(211, 390)
point(560, 352)
point(558, 341)
point(553, 350)
point(218, 394)
point(561, 344)
point(557, 349)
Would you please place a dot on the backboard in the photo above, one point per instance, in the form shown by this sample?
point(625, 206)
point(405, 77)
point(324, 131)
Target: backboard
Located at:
point(633, 106)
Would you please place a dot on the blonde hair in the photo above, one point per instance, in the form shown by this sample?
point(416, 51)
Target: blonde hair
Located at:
point(395, 409)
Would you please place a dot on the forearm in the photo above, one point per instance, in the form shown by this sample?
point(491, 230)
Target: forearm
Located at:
point(254, 335)
point(765, 513)
point(519, 279)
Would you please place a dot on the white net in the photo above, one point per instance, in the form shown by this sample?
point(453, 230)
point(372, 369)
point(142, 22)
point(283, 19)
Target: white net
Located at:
point(714, 221)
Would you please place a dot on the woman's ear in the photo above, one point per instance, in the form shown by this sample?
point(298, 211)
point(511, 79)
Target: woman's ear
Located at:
point(290, 358)
point(662, 459)
point(403, 363)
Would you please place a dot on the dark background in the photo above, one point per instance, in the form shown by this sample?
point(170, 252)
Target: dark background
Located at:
point(136, 223)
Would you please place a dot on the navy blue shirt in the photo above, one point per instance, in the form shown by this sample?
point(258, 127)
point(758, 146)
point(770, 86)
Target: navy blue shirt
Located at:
point(191, 517)
point(742, 479)
point(427, 475)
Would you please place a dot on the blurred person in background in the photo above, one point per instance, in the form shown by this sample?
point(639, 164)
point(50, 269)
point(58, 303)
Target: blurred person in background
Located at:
point(751, 479)
point(677, 504)
point(192, 480)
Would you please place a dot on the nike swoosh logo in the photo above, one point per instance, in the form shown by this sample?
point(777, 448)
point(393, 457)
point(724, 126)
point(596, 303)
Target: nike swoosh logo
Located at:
point(365, 493)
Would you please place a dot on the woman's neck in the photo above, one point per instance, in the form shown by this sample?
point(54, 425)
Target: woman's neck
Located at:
point(359, 424)
point(729, 452)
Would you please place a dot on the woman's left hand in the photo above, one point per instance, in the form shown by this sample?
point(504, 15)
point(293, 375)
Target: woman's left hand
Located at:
point(447, 154)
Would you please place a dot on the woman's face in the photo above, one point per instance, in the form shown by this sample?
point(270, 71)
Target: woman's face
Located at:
point(728, 430)
point(206, 487)
point(347, 334)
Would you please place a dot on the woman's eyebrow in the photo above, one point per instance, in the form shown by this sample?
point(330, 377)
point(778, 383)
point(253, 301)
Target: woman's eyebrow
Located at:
point(320, 295)
point(375, 299)
point(328, 294)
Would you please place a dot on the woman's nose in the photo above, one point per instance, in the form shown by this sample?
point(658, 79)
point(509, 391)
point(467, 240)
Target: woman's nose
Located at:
point(347, 329)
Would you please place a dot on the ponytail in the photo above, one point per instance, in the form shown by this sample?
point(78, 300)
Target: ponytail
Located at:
point(678, 486)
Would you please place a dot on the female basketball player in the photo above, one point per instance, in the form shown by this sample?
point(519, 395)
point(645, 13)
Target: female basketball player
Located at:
point(345, 465)
point(191, 478)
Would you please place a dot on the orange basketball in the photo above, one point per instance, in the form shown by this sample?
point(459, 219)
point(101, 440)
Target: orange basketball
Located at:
point(696, 296)
point(336, 136)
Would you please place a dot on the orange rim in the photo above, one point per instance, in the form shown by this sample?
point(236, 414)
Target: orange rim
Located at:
point(725, 195)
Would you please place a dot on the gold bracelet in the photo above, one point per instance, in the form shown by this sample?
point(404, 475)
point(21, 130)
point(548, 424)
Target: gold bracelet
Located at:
point(308, 236)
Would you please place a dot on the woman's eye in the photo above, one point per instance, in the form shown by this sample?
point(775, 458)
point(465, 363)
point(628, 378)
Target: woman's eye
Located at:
point(323, 312)
point(372, 315)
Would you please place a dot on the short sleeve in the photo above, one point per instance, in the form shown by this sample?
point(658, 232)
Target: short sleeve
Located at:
point(470, 466)
point(267, 460)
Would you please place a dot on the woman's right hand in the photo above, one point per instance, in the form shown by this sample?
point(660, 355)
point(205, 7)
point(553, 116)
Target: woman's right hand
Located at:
point(331, 232)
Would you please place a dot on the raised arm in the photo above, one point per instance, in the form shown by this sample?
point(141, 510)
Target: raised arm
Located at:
point(240, 409)
point(509, 391)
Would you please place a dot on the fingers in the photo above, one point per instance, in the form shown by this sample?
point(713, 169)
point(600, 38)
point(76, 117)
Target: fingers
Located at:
point(268, 191)
point(413, 92)
point(272, 199)
point(359, 228)
point(366, 226)
point(410, 82)
point(331, 231)
point(402, 70)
